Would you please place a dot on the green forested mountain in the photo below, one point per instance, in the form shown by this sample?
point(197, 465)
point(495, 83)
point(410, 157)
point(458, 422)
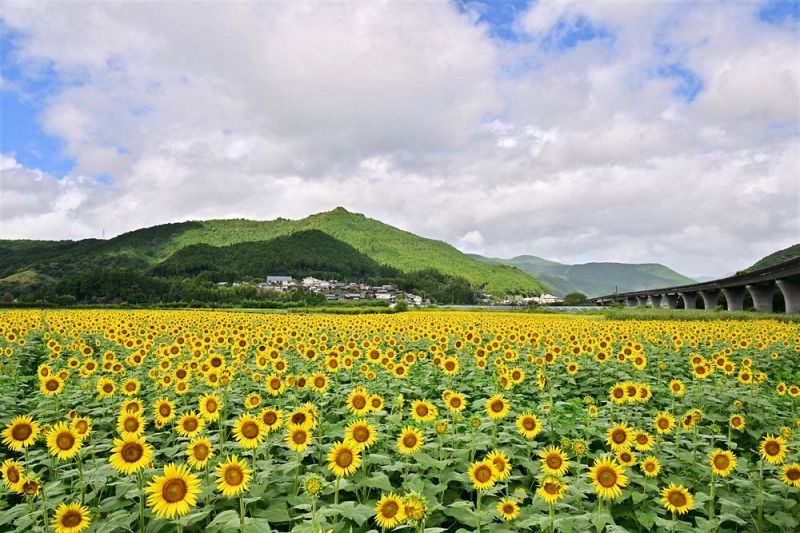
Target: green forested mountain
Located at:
point(147, 248)
point(595, 279)
point(777, 257)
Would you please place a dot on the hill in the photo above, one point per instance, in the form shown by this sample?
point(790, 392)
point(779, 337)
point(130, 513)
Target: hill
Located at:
point(777, 257)
point(147, 247)
point(595, 279)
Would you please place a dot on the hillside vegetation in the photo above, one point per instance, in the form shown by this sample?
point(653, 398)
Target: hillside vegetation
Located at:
point(595, 279)
point(777, 257)
point(150, 247)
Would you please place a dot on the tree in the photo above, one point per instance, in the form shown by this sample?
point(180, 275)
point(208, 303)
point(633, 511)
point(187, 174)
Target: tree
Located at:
point(575, 298)
point(8, 298)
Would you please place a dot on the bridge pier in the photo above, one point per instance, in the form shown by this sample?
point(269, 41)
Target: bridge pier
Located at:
point(689, 299)
point(630, 301)
point(710, 298)
point(762, 296)
point(655, 300)
point(642, 301)
point(672, 300)
point(735, 298)
point(791, 294)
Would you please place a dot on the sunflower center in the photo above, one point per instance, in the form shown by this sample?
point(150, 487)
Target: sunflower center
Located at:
point(607, 477)
point(499, 464)
point(211, 406)
point(344, 458)
point(13, 474)
point(554, 461)
point(51, 385)
point(71, 519)
point(233, 476)
point(65, 441)
point(529, 424)
point(422, 410)
point(174, 490)
point(319, 383)
point(483, 474)
point(552, 488)
point(641, 438)
point(497, 406)
point(269, 418)
point(360, 434)
point(359, 402)
point(793, 474)
point(201, 452)
point(410, 440)
point(390, 509)
point(619, 436)
point(772, 448)
point(131, 424)
point(721, 462)
point(299, 437)
point(131, 452)
point(299, 419)
point(455, 402)
point(663, 423)
point(676, 498)
point(21, 432)
point(190, 424)
point(250, 430)
point(164, 410)
point(108, 388)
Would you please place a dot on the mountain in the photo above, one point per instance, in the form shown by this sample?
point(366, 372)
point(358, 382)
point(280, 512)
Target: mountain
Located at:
point(594, 279)
point(148, 247)
point(777, 257)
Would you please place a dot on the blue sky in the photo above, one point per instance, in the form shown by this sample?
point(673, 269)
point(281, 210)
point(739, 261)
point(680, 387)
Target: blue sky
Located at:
point(482, 110)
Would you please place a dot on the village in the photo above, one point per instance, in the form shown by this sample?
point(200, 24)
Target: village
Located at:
point(335, 290)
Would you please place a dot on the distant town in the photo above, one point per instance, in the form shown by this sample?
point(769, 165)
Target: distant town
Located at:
point(335, 290)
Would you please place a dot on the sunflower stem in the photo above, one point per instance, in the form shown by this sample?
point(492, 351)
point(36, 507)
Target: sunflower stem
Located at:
point(140, 483)
point(761, 495)
point(241, 512)
point(478, 511)
point(711, 497)
point(336, 493)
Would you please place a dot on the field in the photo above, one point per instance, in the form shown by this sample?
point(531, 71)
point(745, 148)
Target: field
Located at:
point(423, 421)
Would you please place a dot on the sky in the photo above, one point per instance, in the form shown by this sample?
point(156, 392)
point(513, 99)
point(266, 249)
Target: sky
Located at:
point(614, 130)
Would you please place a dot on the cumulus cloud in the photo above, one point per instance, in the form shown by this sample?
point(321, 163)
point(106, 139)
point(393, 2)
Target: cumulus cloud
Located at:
point(659, 132)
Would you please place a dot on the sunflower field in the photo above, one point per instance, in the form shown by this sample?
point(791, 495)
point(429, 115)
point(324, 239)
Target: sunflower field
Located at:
point(150, 421)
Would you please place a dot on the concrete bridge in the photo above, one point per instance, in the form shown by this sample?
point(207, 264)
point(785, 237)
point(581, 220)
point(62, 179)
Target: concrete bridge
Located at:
point(761, 284)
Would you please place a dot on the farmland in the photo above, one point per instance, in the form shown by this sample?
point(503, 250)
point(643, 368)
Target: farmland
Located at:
point(423, 421)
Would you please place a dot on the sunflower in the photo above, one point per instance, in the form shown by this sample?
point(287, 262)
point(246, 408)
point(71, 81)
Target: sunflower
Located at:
point(71, 518)
point(664, 422)
point(642, 441)
point(423, 411)
point(358, 401)
point(209, 405)
point(497, 407)
point(249, 431)
point(360, 433)
point(82, 426)
point(773, 449)
point(528, 425)
point(13, 475)
point(63, 442)
point(343, 459)
point(389, 511)
point(410, 441)
point(617, 393)
point(199, 451)
point(233, 476)
point(298, 438)
point(174, 493)
point(502, 467)
point(608, 478)
point(456, 402)
point(553, 461)
point(481, 474)
point(376, 402)
point(508, 509)
point(31, 487)
point(737, 422)
point(271, 417)
point(551, 490)
point(164, 410)
point(20, 433)
point(319, 382)
point(51, 385)
point(677, 499)
point(190, 424)
point(131, 454)
point(650, 466)
point(619, 437)
point(130, 423)
point(625, 457)
point(791, 475)
point(722, 462)
point(130, 386)
point(105, 387)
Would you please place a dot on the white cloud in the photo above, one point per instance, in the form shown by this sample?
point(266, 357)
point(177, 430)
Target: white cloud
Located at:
point(410, 113)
